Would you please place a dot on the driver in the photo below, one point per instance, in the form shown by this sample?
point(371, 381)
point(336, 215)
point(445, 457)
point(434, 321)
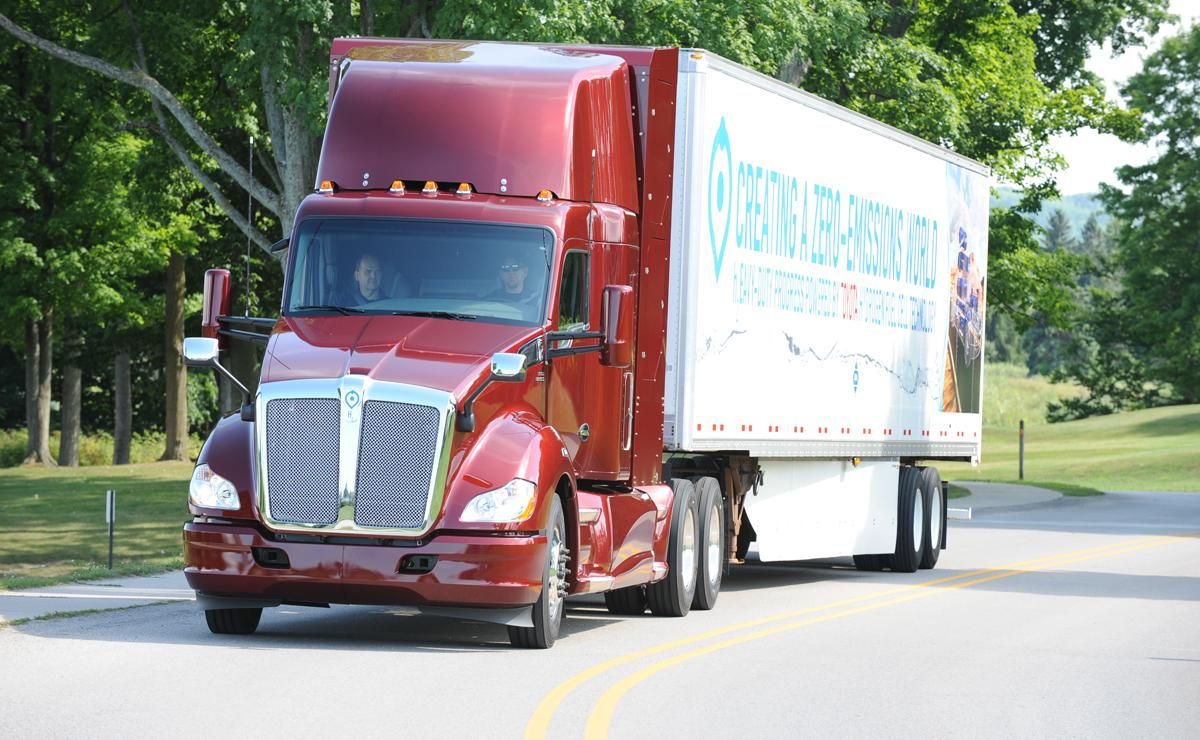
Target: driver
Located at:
point(368, 281)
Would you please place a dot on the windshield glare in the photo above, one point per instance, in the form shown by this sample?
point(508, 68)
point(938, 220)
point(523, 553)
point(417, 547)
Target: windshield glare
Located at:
point(454, 269)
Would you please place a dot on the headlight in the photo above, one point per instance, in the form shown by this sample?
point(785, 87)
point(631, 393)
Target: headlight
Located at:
point(212, 491)
point(510, 503)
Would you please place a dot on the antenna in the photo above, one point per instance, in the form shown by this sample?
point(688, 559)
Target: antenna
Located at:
point(249, 225)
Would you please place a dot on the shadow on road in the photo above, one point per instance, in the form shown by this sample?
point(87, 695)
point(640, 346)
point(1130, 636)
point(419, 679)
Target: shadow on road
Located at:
point(349, 628)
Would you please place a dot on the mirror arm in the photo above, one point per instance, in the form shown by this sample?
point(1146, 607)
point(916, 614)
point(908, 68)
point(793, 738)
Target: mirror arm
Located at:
point(466, 418)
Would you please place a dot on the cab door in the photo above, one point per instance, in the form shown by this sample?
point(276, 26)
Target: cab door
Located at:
point(590, 405)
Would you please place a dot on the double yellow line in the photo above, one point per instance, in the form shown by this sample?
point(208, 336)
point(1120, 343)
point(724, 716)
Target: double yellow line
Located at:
point(601, 715)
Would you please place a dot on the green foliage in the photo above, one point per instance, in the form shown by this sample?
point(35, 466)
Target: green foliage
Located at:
point(1003, 341)
point(1069, 29)
point(95, 449)
point(1011, 394)
point(1141, 344)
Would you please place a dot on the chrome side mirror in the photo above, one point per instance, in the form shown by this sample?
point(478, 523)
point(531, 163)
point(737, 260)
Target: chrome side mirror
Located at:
point(204, 352)
point(200, 351)
point(508, 366)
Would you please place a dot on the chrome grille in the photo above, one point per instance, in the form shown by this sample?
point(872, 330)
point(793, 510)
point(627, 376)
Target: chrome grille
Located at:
point(396, 458)
point(302, 459)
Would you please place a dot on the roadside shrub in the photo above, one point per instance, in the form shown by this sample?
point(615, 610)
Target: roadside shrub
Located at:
point(95, 448)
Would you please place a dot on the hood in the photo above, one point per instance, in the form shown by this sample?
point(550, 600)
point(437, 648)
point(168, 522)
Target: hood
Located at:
point(444, 354)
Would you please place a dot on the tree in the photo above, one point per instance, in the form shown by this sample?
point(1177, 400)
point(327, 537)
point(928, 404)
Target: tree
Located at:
point(1158, 250)
point(1140, 336)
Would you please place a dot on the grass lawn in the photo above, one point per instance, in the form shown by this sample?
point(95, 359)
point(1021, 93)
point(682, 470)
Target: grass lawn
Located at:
point(1150, 450)
point(52, 522)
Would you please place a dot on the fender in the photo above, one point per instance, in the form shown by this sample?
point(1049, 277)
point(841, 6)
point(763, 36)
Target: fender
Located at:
point(229, 451)
point(516, 443)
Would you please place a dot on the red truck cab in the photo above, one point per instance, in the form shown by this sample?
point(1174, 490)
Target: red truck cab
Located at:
point(460, 406)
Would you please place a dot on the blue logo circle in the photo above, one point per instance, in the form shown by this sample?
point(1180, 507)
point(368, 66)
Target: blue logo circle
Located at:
point(720, 184)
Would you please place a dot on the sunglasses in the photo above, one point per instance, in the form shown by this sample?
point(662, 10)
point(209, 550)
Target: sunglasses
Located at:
point(510, 268)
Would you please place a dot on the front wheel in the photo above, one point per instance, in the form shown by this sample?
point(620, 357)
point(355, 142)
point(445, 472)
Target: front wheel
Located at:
point(232, 621)
point(672, 596)
point(549, 608)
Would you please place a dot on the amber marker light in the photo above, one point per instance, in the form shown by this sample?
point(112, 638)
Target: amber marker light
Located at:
point(430, 188)
point(545, 196)
point(464, 188)
point(397, 187)
point(326, 186)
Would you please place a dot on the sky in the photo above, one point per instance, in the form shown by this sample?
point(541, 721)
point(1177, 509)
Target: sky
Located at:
point(1091, 156)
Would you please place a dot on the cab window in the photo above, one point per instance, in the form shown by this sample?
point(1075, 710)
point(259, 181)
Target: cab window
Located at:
point(573, 295)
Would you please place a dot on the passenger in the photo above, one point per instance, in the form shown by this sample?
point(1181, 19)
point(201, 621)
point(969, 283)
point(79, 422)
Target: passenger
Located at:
point(513, 285)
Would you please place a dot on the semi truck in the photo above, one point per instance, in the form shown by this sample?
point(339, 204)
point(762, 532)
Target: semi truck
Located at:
point(564, 319)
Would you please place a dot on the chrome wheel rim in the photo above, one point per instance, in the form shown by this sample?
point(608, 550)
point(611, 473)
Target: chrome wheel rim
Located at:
point(935, 518)
point(713, 549)
point(918, 524)
point(554, 597)
point(687, 556)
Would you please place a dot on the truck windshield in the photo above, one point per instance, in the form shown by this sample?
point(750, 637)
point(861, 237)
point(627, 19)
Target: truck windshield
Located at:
point(448, 269)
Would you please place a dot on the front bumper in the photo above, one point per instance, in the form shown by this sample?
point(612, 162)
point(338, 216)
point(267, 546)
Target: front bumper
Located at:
point(471, 570)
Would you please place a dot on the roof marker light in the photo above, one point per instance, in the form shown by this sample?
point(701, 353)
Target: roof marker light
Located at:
point(545, 196)
point(326, 186)
point(464, 188)
point(397, 187)
point(430, 188)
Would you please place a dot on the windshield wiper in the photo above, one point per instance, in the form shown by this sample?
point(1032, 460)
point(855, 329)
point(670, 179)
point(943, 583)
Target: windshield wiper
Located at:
point(347, 310)
point(436, 315)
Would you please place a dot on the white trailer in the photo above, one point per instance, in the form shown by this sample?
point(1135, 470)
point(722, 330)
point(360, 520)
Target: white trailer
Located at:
point(825, 317)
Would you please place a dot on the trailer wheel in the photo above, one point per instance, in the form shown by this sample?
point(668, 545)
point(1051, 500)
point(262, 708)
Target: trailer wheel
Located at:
point(672, 596)
point(627, 601)
point(232, 621)
point(548, 609)
point(712, 549)
point(910, 522)
point(931, 485)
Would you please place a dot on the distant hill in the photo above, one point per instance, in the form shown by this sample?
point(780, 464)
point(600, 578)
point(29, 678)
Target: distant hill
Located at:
point(1077, 207)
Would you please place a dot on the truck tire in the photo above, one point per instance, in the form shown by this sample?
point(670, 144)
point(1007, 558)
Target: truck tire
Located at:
point(627, 601)
point(672, 596)
point(910, 522)
point(931, 486)
point(548, 609)
point(712, 552)
point(232, 621)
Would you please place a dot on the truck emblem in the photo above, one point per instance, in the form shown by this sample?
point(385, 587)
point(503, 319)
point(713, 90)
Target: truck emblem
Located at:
point(584, 432)
point(352, 399)
point(720, 195)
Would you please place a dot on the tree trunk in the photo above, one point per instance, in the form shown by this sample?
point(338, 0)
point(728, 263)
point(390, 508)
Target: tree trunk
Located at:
point(122, 409)
point(39, 431)
point(176, 372)
point(31, 387)
point(72, 392)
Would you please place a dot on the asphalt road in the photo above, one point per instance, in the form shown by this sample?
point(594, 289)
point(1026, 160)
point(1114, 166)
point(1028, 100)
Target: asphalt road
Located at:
point(1073, 618)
